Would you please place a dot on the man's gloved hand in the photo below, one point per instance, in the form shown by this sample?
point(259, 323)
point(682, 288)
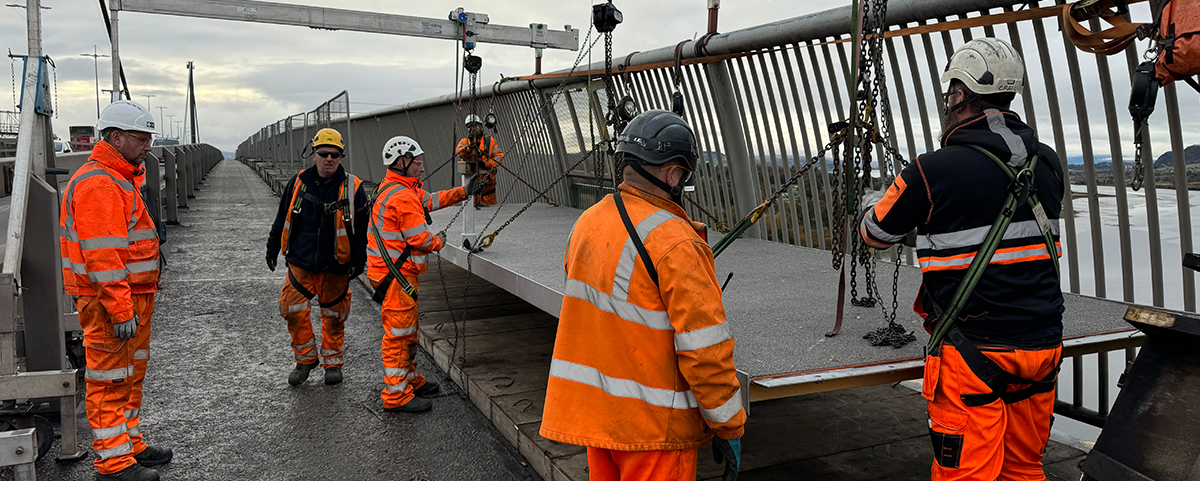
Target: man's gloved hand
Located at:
point(441, 235)
point(356, 270)
point(474, 186)
point(125, 330)
point(728, 451)
point(870, 197)
point(271, 261)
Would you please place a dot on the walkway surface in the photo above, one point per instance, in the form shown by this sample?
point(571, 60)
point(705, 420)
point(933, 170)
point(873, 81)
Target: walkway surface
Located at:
point(217, 391)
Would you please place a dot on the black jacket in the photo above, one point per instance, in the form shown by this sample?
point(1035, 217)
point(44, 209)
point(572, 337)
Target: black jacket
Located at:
point(952, 196)
point(313, 234)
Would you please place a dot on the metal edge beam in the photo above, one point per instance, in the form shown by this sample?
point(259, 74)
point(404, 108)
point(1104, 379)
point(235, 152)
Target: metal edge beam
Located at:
point(38, 384)
point(354, 20)
point(539, 295)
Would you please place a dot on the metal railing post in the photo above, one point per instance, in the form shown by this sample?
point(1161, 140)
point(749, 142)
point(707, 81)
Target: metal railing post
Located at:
point(181, 162)
point(170, 173)
point(733, 136)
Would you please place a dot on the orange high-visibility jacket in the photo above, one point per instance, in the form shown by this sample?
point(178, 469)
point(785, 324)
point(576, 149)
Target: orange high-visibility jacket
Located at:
point(399, 212)
point(485, 148)
point(640, 367)
point(343, 216)
point(109, 245)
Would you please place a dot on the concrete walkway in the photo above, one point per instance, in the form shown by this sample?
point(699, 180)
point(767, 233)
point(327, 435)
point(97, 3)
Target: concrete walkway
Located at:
point(217, 392)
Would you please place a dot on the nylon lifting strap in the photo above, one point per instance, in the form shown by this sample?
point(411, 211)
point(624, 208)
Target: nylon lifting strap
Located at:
point(393, 272)
point(637, 240)
point(1020, 192)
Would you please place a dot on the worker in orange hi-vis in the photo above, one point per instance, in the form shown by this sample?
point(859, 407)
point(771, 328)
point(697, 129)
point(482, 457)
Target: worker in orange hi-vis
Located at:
point(642, 372)
point(398, 250)
point(985, 207)
point(111, 264)
point(482, 149)
point(321, 229)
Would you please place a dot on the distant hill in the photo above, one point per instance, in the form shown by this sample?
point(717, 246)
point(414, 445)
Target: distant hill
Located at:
point(228, 155)
point(1191, 155)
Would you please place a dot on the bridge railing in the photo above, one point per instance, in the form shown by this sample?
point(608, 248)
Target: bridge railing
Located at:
point(761, 101)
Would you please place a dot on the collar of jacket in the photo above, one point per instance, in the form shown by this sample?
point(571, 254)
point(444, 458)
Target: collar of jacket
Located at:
point(310, 174)
point(663, 204)
point(108, 155)
point(1001, 132)
point(409, 182)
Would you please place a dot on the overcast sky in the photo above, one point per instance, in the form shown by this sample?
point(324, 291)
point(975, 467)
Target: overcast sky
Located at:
point(248, 75)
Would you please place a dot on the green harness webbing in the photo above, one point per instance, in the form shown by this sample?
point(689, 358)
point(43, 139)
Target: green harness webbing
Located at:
point(1020, 192)
point(342, 204)
point(393, 271)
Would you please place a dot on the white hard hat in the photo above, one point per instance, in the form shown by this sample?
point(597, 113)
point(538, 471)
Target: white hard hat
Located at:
point(987, 66)
point(398, 146)
point(473, 119)
point(126, 115)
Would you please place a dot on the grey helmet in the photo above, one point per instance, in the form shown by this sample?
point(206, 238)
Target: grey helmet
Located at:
point(656, 137)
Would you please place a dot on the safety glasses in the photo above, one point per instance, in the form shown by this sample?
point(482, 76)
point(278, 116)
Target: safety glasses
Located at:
point(326, 154)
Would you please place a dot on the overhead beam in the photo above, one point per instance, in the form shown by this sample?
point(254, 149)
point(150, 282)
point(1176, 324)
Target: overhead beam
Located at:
point(535, 35)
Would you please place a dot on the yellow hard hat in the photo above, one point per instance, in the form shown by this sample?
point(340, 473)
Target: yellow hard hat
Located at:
point(328, 137)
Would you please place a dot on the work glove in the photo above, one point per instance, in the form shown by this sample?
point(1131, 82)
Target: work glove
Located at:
point(441, 235)
point(356, 270)
point(125, 330)
point(729, 452)
point(474, 186)
point(271, 261)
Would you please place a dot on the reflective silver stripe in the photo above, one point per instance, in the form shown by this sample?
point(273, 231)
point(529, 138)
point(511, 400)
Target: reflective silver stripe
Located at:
point(341, 232)
point(391, 235)
point(331, 353)
point(70, 214)
point(975, 236)
point(377, 218)
point(134, 432)
point(419, 259)
point(371, 251)
point(103, 243)
point(927, 262)
point(306, 357)
point(333, 360)
point(726, 411)
point(142, 234)
point(415, 231)
point(332, 313)
point(702, 338)
point(287, 224)
point(109, 375)
point(114, 452)
point(394, 372)
point(878, 232)
point(76, 268)
point(629, 254)
point(408, 331)
point(625, 388)
point(132, 414)
point(141, 354)
point(294, 308)
point(997, 124)
point(432, 200)
point(653, 319)
point(105, 433)
point(301, 347)
point(398, 387)
point(106, 276)
point(143, 266)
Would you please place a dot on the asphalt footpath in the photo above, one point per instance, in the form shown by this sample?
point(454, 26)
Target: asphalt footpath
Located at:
point(216, 389)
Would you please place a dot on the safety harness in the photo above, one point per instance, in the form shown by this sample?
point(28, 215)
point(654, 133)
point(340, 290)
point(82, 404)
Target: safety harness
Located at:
point(637, 239)
point(342, 204)
point(393, 271)
point(1021, 191)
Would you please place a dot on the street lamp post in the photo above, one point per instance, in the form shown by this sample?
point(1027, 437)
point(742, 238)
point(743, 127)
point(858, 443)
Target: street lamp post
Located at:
point(171, 126)
point(148, 100)
point(96, 67)
point(160, 119)
point(180, 124)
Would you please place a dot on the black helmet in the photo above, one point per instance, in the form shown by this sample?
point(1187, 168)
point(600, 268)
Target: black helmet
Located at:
point(656, 137)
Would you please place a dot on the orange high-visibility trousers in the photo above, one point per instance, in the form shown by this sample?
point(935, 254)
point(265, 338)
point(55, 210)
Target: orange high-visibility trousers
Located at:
point(115, 371)
point(488, 195)
point(612, 465)
point(333, 292)
point(400, 376)
point(997, 440)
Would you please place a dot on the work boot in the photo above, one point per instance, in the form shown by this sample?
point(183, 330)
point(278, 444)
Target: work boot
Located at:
point(416, 405)
point(333, 375)
point(300, 374)
point(429, 389)
point(152, 456)
point(136, 472)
